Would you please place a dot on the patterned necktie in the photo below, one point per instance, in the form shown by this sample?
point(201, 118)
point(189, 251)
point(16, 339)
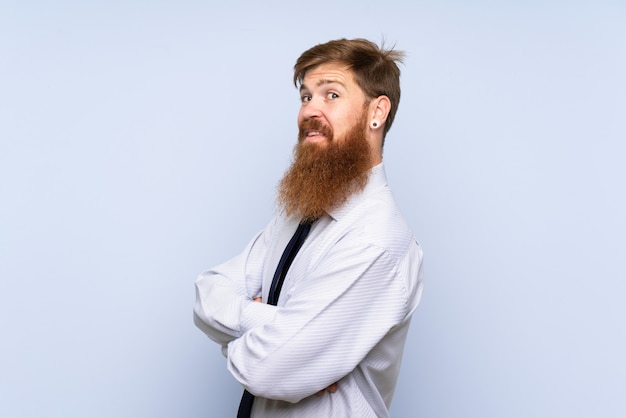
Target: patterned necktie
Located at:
point(245, 406)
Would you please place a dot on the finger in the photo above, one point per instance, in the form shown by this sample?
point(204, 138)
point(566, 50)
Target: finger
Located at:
point(332, 388)
point(320, 393)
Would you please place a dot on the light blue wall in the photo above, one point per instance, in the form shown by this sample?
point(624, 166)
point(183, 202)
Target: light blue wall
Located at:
point(141, 142)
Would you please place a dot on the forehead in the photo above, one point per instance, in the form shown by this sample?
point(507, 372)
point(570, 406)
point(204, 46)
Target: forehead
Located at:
point(328, 73)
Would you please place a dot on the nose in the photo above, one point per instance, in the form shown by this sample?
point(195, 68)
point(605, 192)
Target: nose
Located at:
point(310, 110)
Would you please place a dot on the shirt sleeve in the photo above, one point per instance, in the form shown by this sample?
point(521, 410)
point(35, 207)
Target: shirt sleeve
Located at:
point(224, 309)
point(331, 320)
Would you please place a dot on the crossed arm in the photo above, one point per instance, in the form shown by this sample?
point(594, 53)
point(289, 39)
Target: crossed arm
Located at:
point(325, 323)
point(332, 388)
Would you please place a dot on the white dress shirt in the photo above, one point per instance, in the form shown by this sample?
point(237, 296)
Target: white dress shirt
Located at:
point(343, 313)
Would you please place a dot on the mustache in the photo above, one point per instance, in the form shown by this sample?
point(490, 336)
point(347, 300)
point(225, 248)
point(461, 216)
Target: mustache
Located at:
point(313, 125)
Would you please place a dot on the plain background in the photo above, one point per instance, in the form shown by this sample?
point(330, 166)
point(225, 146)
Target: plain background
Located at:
point(141, 143)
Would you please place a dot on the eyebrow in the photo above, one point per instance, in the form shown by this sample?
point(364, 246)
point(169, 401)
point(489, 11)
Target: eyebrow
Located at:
point(323, 82)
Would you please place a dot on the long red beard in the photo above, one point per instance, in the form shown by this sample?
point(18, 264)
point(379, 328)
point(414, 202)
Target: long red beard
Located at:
point(324, 176)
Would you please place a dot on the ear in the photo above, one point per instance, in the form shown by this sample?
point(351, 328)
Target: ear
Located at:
point(379, 110)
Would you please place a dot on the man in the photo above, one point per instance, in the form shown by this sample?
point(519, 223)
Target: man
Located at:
point(332, 345)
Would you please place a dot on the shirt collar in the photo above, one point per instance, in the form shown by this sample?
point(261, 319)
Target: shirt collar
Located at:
point(377, 180)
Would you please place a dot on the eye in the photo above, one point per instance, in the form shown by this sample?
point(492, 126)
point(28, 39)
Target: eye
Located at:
point(305, 98)
point(332, 95)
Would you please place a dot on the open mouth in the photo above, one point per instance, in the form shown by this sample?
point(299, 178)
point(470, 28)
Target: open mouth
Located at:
point(313, 136)
point(314, 131)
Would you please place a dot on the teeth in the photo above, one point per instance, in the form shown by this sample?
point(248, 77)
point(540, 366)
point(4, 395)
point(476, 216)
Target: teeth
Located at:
point(313, 133)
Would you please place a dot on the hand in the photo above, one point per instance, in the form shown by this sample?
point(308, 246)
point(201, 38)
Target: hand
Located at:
point(330, 389)
point(257, 300)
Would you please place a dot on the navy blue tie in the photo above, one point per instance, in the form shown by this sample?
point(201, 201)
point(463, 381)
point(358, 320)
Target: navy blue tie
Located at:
point(245, 406)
